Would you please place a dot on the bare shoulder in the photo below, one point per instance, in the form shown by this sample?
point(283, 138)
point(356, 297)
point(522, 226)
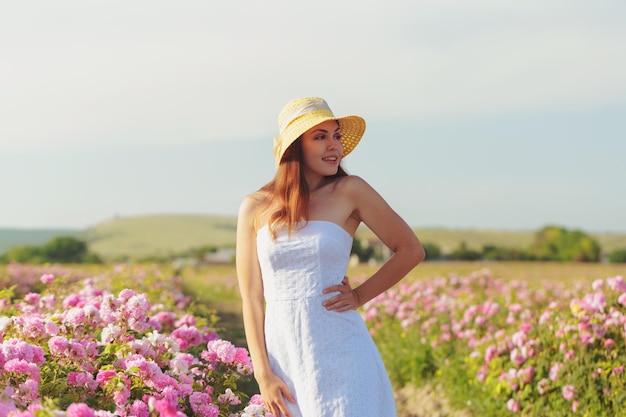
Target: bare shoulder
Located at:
point(250, 207)
point(252, 202)
point(353, 186)
point(351, 183)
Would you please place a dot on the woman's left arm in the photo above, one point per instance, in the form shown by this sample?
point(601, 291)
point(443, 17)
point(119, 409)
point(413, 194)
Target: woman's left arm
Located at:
point(393, 231)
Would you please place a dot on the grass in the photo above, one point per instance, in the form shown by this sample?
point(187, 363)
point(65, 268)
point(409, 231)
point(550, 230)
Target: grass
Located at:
point(164, 235)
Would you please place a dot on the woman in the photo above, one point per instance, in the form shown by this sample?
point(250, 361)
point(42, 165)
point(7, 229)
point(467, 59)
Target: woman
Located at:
point(312, 353)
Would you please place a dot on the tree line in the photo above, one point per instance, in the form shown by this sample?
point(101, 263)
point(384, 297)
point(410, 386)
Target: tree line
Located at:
point(62, 249)
point(551, 243)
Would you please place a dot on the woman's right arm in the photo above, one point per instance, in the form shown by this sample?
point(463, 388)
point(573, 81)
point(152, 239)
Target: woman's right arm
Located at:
point(273, 390)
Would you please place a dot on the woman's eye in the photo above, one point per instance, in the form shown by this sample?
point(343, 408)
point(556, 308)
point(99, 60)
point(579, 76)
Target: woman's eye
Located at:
point(320, 137)
point(337, 136)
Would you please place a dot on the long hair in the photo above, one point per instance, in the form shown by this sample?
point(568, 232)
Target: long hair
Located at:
point(289, 192)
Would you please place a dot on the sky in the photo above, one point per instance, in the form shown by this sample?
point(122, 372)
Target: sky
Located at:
point(480, 114)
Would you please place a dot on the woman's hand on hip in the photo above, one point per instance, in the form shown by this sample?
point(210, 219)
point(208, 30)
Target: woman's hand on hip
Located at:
point(347, 299)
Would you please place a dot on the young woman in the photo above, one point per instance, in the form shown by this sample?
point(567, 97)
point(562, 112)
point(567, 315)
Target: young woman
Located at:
point(312, 353)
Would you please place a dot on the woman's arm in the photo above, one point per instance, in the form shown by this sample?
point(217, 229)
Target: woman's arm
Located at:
point(393, 231)
point(251, 288)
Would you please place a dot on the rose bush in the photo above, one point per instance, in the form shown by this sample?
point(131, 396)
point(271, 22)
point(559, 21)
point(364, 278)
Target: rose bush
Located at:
point(85, 347)
point(501, 348)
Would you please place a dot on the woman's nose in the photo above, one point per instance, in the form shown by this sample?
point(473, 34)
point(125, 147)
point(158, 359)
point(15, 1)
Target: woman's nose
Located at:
point(333, 144)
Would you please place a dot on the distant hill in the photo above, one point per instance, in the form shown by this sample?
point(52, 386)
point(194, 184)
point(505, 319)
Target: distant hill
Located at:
point(22, 237)
point(163, 235)
point(159, 235)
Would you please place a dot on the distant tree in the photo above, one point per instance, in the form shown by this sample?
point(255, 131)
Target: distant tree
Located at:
point(65, 249)
point(25, 254)
point(92, 258)
point(432, 251)
point(463, 253)
point(363, 252)
point(618, 256)
point(498, 253)
point(553, 243)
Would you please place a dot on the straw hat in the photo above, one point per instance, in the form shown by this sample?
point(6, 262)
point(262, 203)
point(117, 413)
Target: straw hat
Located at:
point(301, 114)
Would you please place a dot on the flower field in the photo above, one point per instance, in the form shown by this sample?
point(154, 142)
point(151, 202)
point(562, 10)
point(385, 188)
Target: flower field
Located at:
point(125, 340)
point(503, 347)
point(121, 342)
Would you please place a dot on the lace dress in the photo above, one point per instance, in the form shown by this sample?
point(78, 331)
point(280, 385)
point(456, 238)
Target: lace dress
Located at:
point(327, 359)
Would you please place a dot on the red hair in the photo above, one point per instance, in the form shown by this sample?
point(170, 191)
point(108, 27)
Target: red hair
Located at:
point(290, 191)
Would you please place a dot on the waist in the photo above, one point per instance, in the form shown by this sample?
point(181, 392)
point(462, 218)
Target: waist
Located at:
point(286, 298)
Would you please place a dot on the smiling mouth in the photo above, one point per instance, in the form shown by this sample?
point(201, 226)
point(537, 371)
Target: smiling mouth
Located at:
point(331, 158)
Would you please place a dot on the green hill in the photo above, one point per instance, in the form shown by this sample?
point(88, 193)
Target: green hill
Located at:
point(159, 235)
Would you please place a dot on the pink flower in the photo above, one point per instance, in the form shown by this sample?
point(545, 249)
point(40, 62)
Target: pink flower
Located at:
point(542, 386)
point(47, 278)
point(519, 339)
point(20, 366)
point(139, 409)
point(609, 343)
point(481, 374)
point(82, 380)
point(517, 357)
point(515, 308)
point(597, 284)
point(554, 371)
point(622, 299)
point(29, 390)
point(490, 353)
point(616, 283)
point(7, 407)
point(257, 399)
point(512, 405)
point(201, 405)
point(79, 410)
point(187, 336)
point(104, 376)
point(228, 397)
point(58, 345)
point(32, 298)
point(167, 409)
point(187, 319)
point(618, 370)
point(526, 374)
point(569, 392)
point(222, 350)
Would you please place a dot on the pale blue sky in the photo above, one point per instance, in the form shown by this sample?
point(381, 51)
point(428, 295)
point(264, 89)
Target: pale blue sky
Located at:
point(481, 114)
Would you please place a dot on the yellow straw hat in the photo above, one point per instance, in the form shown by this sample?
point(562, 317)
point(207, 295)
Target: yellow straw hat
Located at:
point(302, 114)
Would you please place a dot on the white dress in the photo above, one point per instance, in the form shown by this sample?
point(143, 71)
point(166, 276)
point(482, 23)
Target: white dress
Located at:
point(327, 359)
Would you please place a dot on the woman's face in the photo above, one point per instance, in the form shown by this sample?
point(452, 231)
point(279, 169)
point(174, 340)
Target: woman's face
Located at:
point(322, 148)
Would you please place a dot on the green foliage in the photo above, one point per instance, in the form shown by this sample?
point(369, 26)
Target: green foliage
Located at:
point(559, 244)
point(432, 250)
point(65, 249)
point(495, 253)
point(408, 361)
point(464, 253)
point(618, 256)
point(25, 254)
point(364, 252)
point(62, 249)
